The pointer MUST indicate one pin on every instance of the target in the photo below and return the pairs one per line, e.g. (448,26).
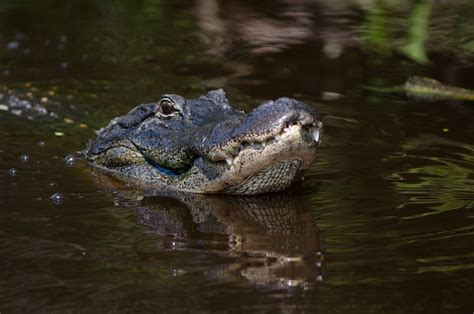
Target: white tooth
(277,137)
(315,134)
(229,160)
(264,143)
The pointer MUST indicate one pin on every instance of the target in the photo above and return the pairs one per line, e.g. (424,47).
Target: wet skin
(203,145)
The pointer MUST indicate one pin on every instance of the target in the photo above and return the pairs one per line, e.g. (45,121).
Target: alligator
(427,89)
(204,145)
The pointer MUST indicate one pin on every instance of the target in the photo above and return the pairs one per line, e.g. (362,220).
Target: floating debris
(58,133)
(427,89)
(330,96)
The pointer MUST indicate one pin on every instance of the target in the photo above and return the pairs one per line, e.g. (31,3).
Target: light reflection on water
(391,191)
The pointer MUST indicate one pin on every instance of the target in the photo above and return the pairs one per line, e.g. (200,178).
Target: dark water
(383,223)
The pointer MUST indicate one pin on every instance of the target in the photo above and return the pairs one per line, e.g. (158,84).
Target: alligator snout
(272,117)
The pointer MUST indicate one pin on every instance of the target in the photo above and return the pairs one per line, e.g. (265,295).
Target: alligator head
(203,145)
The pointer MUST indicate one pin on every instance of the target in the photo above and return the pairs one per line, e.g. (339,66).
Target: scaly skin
(203,145)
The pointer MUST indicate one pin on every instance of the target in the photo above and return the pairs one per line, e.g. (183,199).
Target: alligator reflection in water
(272,239)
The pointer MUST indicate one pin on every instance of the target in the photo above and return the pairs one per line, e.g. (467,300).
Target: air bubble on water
(12,172)
(57,198)
(70,160)
(41,144)
(24,158)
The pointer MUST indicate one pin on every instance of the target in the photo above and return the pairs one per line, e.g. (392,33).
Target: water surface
(383,222)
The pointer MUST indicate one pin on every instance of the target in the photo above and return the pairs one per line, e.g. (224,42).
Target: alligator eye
(168,107)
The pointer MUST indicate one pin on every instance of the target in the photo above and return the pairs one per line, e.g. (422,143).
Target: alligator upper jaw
(266,124)
(277,137)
